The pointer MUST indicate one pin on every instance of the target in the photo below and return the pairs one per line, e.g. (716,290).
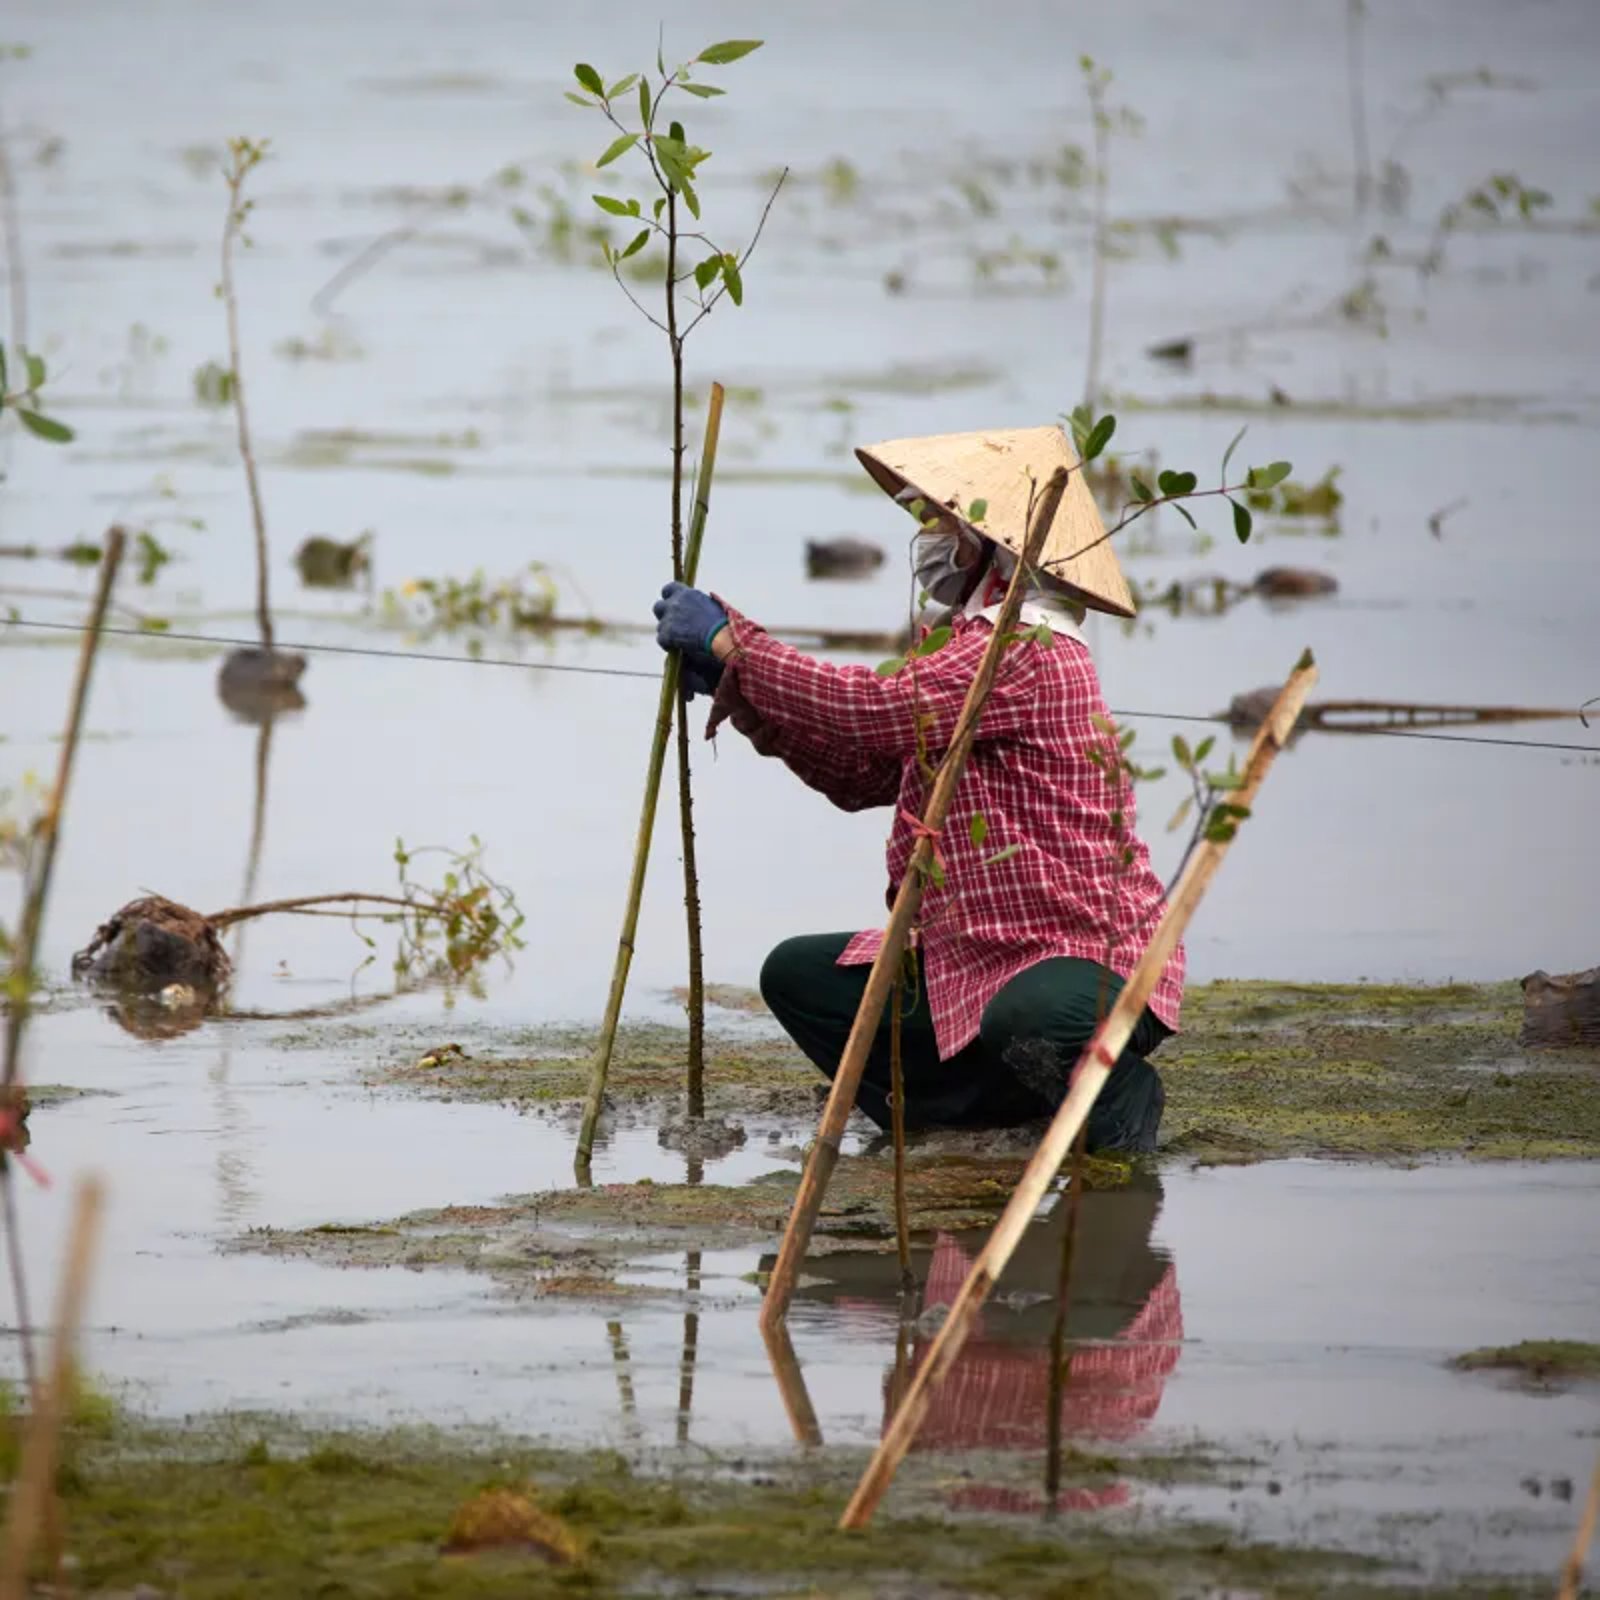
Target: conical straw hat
(1004,467)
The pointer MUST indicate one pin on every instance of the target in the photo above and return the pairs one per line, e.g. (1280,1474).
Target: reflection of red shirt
(997,1396)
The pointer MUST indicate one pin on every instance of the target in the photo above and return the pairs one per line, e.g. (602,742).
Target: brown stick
(792,1386)
(897,1108)
(49,825)
(303,902)
(1572,1568)
(36,1474)
(841,1098)
(1089,1076)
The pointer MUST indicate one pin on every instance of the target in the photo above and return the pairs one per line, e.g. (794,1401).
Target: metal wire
(1213,719)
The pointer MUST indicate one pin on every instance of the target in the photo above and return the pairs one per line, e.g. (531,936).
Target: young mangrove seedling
(266,675)
(669,229)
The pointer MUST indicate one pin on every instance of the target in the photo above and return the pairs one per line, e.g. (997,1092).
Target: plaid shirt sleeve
(853,708)
(853,780)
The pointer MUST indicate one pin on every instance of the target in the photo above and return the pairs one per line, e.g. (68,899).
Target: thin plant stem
(48,828)
(235,176)
(691,1346)
(11,223)
(1097,279)
(897,1107)
(29,1514)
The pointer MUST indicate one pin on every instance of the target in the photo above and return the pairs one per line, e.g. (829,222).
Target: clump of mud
(165,961)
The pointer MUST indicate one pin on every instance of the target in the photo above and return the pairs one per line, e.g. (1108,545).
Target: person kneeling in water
(1035,919)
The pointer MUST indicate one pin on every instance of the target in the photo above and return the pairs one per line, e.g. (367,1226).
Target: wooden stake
(842,1097)
(49,828)
(652,791)
(31,1498)
(1089,1076)
(792,1386)
(897,1108)
(1572,1567)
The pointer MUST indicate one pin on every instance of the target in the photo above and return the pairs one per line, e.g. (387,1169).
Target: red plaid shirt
(1062,892)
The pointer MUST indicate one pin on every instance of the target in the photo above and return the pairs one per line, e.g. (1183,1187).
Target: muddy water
(481,402)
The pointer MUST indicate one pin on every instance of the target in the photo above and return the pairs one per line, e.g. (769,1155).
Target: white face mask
(937,555)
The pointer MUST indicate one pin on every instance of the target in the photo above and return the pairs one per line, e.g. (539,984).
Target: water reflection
(1123,1339)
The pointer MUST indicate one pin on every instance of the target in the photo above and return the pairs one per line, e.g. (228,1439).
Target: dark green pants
(1015,1071)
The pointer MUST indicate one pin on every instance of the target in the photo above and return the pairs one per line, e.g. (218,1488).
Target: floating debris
(154,945)
(1294,583)
(440,1054)
(504,1519)
(325,563)
(1561,1010)
(842,558)
(257,684)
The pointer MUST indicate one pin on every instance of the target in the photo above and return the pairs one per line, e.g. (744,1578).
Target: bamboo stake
(841,1098)
(1572,1567)
(49,828)
(36,1474)
(897,1108)
(1089,1076)
(792,1386)
(652,791)
(1060,1362)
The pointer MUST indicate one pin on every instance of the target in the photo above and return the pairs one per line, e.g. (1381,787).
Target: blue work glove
(688,620)
(700,675)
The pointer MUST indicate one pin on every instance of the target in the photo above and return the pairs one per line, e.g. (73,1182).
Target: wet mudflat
(342,1292)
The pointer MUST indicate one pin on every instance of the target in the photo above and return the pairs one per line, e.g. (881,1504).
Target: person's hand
(699,675)
(688,620)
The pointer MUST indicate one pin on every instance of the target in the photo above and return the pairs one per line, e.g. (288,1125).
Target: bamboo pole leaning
(665,708)
(30,1510)
(824,1155)
(1089,1076)
(49,826)
(1572,1567)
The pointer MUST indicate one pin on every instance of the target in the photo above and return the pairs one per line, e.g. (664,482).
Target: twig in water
(244,156)
(1436,521)
(1060,1373)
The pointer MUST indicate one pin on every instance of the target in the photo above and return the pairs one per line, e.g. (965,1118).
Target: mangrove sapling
(1105,120)
(266,669)
(670,172)
(22,376)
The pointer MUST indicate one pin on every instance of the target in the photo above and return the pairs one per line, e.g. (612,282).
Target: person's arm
(854,708)
(851,779)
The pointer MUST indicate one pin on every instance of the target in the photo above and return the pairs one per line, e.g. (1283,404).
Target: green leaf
(617,208)
(731,276)
(1001,855)
(706,273)
(45,427)
(589,78)
(2,369)
(1241,520)
(35,366)
(978,828)
(936,872)
(622,86)
(1183,810)
(1099,437)
(1082,420)
(1203,749)
(580,99)
(704,90)
(1181,753)
(644,102)
(1141,489)
(1233,444)
(719,55)
(1270,476)
(977,511)
(659,206)
(618,147)
(1174,483)
(887,669)
(692,200)
(936,640)
(1183,511)
(640,240)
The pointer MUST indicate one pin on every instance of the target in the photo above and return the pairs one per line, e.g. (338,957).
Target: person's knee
(779,981)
